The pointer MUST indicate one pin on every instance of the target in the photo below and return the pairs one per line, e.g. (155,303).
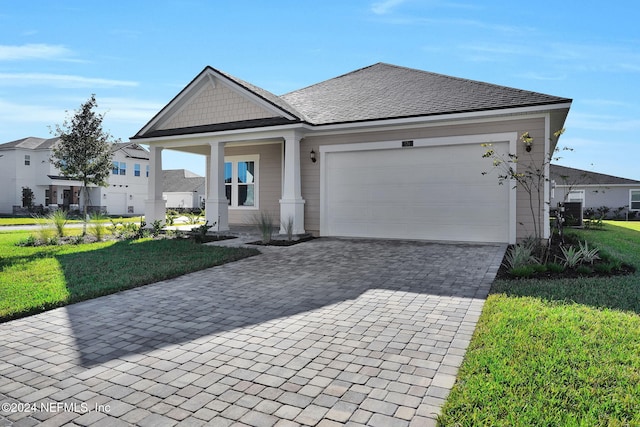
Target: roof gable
(215,98)
(383,91)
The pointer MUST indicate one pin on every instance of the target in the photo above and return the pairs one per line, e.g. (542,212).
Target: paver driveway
(328,332)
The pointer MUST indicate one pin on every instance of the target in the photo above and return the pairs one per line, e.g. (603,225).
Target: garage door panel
(434,193)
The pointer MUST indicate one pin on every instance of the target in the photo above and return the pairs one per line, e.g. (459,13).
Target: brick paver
(327,332)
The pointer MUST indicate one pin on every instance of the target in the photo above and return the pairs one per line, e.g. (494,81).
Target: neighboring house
(26,163)
(384,152)
(594,190)
(182,189)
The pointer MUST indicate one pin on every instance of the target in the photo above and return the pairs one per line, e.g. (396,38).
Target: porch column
(292,203)
(154,206)
(217,207)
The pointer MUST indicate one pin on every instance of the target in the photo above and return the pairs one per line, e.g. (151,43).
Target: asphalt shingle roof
(383,91)
(564,175)
(181,180)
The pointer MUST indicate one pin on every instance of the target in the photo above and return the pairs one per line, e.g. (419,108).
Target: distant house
(25,163)
(594,190)
(182,189)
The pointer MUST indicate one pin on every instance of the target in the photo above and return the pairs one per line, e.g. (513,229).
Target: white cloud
(33,51)
(127,110)
(61,81)
(384,7)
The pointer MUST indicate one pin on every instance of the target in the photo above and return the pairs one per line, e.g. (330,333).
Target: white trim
(583,195)
(630,191)
(234,184)
(546,202)
(510,137)
(441,120)
(596,185)
(362,126)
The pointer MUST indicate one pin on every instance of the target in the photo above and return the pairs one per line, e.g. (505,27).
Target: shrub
(583,269)
(200,233)
(264,224)
(522,271)
(59,219)
(571,257)
(96,227)
(156,228)
(606,267)
(554,267)
(171,217)
(288,227)
(519,255)
(588,255)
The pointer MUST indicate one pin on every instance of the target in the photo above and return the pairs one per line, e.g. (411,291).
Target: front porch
(244,177)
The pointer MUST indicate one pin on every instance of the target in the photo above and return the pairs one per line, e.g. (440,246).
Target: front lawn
(36,221)
(557,352)
(34,279)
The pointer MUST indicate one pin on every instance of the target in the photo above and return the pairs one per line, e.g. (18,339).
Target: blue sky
(137,55)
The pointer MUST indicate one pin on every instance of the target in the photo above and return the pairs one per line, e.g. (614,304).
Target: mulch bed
(282,242)
(555,255)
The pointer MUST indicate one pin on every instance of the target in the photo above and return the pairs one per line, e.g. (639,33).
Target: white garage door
(117,203)
(433,193)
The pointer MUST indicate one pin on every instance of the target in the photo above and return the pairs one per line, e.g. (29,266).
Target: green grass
(34,279)
(557,353)
(35,221)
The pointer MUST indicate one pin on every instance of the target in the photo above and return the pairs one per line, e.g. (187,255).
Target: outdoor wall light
(313,156)
(104,196)
(528,141)
(130,196)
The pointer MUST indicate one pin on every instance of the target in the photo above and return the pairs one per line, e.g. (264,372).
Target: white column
(154,205)
(292,203)
(217,207)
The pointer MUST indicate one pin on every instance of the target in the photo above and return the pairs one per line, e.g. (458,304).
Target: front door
(66,199)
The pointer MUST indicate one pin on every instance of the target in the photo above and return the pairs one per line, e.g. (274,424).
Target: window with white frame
(27,159)
(136,169)
(241,180)
(115,168)
(123,168)
(634,200)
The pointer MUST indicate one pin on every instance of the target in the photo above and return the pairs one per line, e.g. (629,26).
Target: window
(147,171)
(27,159)
(240,178)
(634,200)
(115,169)
(123,168)
(136,169)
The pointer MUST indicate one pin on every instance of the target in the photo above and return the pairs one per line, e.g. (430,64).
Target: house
(182,189)
(25,163)
(384,152)
(595,190)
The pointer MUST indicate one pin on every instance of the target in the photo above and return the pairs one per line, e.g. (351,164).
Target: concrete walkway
(328,332)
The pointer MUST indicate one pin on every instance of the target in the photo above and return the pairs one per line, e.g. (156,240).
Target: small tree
(530,177)
(84,150)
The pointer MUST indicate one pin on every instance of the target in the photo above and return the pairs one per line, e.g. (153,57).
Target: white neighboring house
(26,163)
(183,189)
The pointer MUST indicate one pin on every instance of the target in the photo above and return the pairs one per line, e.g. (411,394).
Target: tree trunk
(84,209)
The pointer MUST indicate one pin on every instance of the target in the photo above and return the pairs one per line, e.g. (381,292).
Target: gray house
(383,151)
(182,189)
(594,190)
